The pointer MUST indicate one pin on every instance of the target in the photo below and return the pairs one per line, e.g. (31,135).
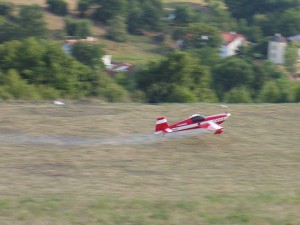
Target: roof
(229,37)
(279,38)
(86,40)
(295,36)
(120,67)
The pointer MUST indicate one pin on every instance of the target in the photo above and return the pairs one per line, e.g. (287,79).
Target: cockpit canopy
(197,118)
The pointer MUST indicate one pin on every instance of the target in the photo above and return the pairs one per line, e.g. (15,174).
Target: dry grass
(247,175)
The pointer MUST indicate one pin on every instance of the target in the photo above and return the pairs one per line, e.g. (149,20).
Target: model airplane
(196,121)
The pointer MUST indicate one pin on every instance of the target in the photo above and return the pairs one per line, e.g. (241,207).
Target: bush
(80,28)
(238,95)
(6,8)
(59,7)
(117,29)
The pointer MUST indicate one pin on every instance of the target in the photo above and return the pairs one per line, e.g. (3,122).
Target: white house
(231,43)
(276,49)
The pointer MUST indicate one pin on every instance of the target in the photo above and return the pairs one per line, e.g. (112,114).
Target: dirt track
(15,137)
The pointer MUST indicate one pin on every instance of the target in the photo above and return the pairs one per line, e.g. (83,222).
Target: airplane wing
(212,126)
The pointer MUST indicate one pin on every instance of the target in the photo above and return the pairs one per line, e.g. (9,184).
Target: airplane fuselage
(190,124)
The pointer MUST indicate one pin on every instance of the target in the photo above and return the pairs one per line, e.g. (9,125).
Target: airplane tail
(161,125)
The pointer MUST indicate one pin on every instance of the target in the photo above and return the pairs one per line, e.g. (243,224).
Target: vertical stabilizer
(161,125)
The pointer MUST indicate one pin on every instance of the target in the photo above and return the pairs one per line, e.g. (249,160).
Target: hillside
(142,48)
(97,163)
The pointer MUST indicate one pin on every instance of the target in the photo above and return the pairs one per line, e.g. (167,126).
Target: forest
(33,65)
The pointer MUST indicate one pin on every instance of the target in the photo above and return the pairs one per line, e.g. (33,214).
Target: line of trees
(39,69)
(34,67)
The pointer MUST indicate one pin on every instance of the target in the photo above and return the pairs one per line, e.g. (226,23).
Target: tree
(80,28)
(230,73)
(178,78)
(16,87)
(59,7)
(31,21)
(201,35)
(252,32)
(289,21)
(110,9)
(183,15)
(270,92)
(9,31)
(6,8)
(134,18)
(117,30)
(42,62)
(105,86)
(83,6)
(88,54)
(152,15)
(291,57)
(207,56)
(238,95)
(277,91)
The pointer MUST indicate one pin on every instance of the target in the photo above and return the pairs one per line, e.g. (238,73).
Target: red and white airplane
(196,121)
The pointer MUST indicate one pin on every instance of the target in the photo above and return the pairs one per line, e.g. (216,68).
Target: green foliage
(179,78)
(138,14)
(83,6)
(44,63)
(59,7)
(182,94)
(79,28)
(297,92)
(35,69)
(200,35)
(183,15)
(117,30)
(270,16)
(277,91)
(13,86)
(291,57)
(270,92)
(232,72)
(110,9)
(31,21)
(109,89)
(207,56)
(88,54)
(220,17)
(6,8)
(247,8)
(253,33)
(238,95)
(28,23)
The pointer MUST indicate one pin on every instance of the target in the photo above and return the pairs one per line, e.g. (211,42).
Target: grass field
(247,175)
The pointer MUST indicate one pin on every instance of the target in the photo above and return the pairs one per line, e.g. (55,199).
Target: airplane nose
(228,114)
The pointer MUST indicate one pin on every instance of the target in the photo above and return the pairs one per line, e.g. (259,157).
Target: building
(276,49)
(114,68)
(231,43)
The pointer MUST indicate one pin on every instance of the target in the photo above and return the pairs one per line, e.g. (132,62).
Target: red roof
(229,37)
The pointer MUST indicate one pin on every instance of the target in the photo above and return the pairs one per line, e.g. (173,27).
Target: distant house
(231,43)
(276,49)
(113,68)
